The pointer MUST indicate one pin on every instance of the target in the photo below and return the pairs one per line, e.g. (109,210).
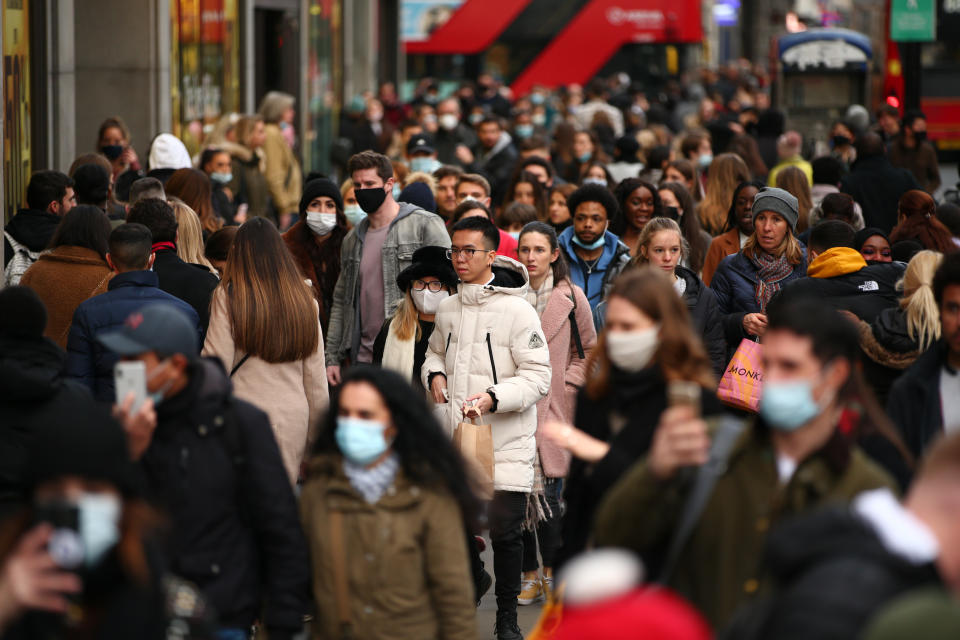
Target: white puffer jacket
(488,337)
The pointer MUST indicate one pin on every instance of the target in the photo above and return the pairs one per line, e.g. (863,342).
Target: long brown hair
(680,354)
(794,181)
(194,188)
(726,172)
(272,311)
(919,222)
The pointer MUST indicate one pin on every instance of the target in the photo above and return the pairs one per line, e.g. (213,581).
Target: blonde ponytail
(923,316)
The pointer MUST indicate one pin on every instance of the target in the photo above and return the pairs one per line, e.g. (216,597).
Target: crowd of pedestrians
(238,402)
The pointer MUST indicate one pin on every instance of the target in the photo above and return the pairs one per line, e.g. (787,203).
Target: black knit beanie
(320,187)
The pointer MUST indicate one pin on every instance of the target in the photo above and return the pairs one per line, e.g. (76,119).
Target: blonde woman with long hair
(794,180)
(401,344)
(726,172)
(275,360)
(897,337)
(189,235)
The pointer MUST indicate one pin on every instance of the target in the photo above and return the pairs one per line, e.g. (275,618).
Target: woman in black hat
(402,342)
(314,241)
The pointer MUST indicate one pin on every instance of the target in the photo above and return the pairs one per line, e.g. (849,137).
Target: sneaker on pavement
(548,587)
(530,592)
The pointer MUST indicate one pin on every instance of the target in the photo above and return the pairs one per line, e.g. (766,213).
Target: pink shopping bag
(742,382)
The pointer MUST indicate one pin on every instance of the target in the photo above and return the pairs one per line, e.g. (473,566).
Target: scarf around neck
(770,272)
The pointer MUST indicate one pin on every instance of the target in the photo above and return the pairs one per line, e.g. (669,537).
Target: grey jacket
(411,229)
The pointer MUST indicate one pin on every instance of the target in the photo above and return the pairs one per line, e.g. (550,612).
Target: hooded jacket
(888,350)
(33,393)
(835,569)
(489,338)
(30,228)
(841,278)
(596,281)
(63,278)
(411,229)
(88,361)
(214,467)
(705,314)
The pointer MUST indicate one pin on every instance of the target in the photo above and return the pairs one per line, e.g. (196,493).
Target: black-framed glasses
(469,253)
(420,285)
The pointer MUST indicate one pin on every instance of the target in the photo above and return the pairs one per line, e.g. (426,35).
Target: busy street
(480,320)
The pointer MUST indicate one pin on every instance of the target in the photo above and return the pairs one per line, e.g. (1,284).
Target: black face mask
(370,199)
(919,136)
(671,212)
(112,151)
(840,141)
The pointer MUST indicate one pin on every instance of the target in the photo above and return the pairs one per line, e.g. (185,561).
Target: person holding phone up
(488,354)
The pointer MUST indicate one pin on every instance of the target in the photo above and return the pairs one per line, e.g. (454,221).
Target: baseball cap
(156,327)
(420,143)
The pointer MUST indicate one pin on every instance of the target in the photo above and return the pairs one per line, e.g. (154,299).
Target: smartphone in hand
(130,377)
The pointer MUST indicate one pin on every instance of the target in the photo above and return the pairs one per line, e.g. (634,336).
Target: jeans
(548,531)
(507,512)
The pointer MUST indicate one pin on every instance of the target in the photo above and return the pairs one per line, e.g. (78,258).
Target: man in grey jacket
(372,254)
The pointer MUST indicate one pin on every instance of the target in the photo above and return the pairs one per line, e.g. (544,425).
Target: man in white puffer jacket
(488,354)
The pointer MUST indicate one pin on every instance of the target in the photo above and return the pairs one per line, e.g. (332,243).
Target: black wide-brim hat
(429,261)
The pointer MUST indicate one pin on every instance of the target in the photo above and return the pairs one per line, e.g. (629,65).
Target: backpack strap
(237,366)
(575,329)
(341,585)
(728,430)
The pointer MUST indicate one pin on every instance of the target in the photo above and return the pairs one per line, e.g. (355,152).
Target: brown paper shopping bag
(475,443)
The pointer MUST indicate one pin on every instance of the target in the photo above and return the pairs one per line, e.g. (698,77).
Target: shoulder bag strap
(237,366)
(728,430)
(341,586)
(575,329)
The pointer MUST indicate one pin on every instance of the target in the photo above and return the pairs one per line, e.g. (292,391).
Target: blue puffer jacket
(735,284)
(90,362)
(596,280)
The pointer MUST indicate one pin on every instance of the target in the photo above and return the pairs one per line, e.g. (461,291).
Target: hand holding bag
(475,443)
(742,381)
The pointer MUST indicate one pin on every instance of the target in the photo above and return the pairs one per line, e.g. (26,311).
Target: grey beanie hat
(778,201)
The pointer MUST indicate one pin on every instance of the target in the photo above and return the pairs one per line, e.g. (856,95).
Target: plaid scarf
(770,271)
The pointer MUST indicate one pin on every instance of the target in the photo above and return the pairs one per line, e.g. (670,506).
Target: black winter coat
(705,314)
(214,466)
(914,402)
(190,282)
(34,393)
(886,351)
(31,228)
(877,185)
(865,293)
(626,417)
(832,574)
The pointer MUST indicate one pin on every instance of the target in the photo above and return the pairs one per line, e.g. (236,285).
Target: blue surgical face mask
(583,157)
(425,164)
(514,234)
(600,181)
(354,213)
(221,178)
(99,525)
(523,130)
(360,441)
(788,405)
(596,244)
(704,160)
(158,395)
(396,191)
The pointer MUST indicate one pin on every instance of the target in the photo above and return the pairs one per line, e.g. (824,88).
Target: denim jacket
(411,229)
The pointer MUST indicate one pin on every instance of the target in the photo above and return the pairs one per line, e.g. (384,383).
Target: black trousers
(547,532)
(507,511)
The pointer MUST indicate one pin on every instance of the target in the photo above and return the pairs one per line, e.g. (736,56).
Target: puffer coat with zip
(488,337)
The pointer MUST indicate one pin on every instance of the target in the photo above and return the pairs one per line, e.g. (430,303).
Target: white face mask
(448,121)
(321,223)
(632,350)
(427,302)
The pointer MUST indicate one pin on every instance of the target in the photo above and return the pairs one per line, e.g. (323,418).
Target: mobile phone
(65,545)
(683,393)
(130,377)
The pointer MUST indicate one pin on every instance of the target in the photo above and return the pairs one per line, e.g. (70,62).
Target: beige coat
(293,394)
(406,559)
(282,171)
(488,337)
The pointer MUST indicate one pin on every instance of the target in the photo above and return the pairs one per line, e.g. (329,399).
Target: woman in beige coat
(282,170)
(265,328)
(384,509)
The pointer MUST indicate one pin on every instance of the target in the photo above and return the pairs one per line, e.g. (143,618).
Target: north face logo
(869,285)
(535,341)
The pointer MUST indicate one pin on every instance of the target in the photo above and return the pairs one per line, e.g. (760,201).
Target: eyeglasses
(420,285)
(469,253)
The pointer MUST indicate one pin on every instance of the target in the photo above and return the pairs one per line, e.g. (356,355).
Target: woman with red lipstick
(771,257)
